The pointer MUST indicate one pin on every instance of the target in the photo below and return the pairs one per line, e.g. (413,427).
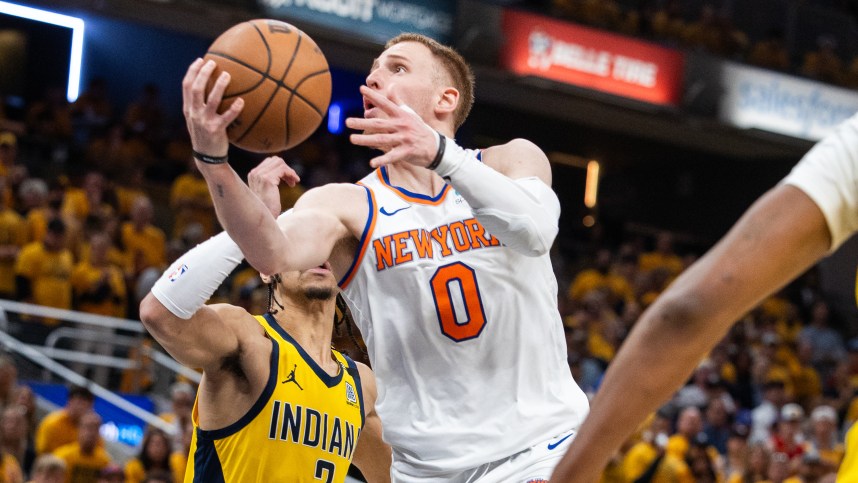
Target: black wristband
(442,143)
(205,158)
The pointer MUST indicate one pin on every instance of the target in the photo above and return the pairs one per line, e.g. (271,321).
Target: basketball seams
(261,128)
(274,93)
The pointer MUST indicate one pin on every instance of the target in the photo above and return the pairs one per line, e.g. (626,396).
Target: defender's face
(406,72)
(313,283)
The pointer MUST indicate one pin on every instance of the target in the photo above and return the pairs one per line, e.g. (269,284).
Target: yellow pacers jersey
(303,428)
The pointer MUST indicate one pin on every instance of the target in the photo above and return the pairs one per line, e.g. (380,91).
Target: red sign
(569,53)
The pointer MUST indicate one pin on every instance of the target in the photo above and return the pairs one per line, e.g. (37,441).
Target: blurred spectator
(780,468)
(86,457)
(144,243)
(49,469)
(667,23)
(49,125)
(14,438)
(601,324)
(759,458)
(99,288)
(603,276)
(179,455)
(92,111)
(824,64)
(158,477)
(154,456)
(700,461)
(13,236)
(827,343)
(689,424)
(191,203)
(662,257)
(93,198)
(8,381)
(145,115)
(768,411)
(717,424)
(116,150)
(9,166)
(824,441)
(647,460)
(736,460)
(771,52)
(43,276)
(128,187)
(788,438)
(111,473)
(60,427)
(182,397)
(807,385)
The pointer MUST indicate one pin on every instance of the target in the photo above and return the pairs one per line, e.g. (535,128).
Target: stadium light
(335,118)
(74,23)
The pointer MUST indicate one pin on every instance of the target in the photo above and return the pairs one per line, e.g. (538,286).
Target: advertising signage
(564,52)
(377,20)
(762,99)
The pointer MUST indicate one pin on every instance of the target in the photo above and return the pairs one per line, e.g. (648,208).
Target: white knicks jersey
(462,332)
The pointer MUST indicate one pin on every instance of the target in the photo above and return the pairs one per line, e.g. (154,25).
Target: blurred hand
(402,135)
(264,181)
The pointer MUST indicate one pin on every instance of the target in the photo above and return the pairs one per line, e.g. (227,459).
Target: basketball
(283,77)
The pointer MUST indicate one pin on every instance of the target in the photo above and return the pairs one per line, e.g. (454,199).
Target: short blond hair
(459,71)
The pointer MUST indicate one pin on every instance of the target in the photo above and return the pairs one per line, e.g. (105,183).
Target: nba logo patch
(350,394)
(178,272)
(537,480)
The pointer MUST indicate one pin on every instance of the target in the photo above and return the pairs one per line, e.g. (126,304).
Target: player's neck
(415,179)
(310,323)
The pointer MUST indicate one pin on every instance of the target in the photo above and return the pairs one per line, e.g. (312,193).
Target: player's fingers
(198,86)
(188,81)
(290,176)
(234,110)
(384,160)
(374,140)
(379,100)
(375,125)
(216,94)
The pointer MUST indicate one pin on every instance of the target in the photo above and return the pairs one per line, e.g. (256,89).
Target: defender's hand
(206,127)
(401,134)
(264,181)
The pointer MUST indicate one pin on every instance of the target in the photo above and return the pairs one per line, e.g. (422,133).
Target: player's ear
(447,101)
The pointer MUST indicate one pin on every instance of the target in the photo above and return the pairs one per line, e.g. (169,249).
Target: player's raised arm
(508,186)
(268,247)
(196,335)
(787,230)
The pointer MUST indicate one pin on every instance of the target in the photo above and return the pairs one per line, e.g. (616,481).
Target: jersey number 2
(452,283)
(325,471)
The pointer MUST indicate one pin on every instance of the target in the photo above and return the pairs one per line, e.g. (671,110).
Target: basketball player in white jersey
(801,220)
(442,254)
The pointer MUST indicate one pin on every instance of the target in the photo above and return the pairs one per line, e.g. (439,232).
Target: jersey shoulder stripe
(364,238)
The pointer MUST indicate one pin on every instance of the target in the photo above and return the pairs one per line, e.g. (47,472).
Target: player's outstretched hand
(206,127)
(265,178)
(400,133)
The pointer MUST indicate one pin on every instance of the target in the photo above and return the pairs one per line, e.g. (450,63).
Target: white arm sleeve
(192,279)
(828,174)
(522,213)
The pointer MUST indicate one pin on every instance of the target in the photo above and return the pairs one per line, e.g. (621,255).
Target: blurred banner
(568,53)
(763,99)
(377,20)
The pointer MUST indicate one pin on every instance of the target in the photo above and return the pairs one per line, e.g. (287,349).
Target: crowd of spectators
(713,30)
(771,402)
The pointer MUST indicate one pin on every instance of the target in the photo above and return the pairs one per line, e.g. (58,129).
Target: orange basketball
(283,77)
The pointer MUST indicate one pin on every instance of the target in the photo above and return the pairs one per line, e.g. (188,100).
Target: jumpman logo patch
(291,378)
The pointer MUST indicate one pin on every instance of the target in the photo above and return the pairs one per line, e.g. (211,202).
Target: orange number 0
(444,289)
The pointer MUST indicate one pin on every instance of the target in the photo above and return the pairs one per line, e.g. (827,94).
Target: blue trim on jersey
(404,191)
(356,376)
(258,406)
(207,466)
(363,236)
(326,378)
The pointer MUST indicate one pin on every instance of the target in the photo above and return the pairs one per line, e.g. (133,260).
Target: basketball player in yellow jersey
(276,403)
